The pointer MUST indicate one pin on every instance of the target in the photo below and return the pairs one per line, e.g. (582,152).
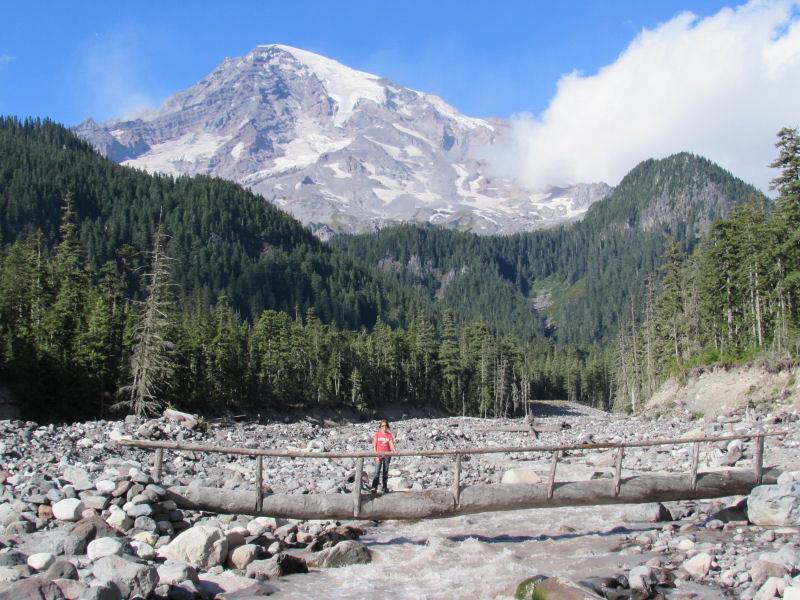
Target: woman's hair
(384,422)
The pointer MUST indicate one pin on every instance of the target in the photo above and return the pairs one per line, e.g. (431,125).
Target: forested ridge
(223,238)
(587,274)
(734,299)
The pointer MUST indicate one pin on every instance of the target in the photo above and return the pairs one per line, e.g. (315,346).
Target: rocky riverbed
(82,518)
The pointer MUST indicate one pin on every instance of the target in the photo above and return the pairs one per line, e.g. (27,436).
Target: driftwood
(474,498)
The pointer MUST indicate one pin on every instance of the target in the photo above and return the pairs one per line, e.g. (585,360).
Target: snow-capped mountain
(341,149)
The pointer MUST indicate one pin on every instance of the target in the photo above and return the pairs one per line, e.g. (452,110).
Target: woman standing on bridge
(382,441)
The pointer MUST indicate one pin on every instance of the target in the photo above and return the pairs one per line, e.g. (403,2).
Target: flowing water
(476,556)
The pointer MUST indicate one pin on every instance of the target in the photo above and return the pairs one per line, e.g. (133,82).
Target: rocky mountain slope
(340,149)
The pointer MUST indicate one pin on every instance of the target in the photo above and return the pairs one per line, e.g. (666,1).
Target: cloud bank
(719,86)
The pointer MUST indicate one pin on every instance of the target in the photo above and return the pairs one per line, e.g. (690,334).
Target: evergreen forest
(126,291)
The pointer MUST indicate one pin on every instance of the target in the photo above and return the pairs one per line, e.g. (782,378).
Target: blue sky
(72,60)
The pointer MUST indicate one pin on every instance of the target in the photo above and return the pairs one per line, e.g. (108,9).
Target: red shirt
(382,441)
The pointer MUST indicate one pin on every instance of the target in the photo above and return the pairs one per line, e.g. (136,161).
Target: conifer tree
(152,363)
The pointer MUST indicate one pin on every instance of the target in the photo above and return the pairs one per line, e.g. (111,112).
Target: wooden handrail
(177,446)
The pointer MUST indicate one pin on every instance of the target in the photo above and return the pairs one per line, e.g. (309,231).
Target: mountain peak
(341,149)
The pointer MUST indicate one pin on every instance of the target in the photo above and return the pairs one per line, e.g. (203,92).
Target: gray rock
(12,558)
(763,570)
(698,566)
(104,546)
(279,565)
(41,561)
(131,578)
(228,585)
(174,572)
(775,505)
(348,552)
(652,512)
(61,569)
(69,509)
(102,592)
(33,588)
(201,546)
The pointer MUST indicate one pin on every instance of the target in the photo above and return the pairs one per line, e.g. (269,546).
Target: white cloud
(719,86)
(113,74)
(5,59)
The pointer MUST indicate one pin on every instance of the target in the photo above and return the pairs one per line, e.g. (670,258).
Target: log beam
(474,498)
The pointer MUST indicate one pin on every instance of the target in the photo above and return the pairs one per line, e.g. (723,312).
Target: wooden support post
(259,483)
(457,481)
(357,487)
(695,463)
(759,458)
(618,470)
(551,486)
(159,460)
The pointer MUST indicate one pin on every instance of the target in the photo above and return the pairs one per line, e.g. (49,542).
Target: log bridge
(469,499)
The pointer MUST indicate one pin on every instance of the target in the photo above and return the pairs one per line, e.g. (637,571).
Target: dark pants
(383,465)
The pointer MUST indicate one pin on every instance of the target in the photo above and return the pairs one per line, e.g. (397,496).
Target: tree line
(76,345)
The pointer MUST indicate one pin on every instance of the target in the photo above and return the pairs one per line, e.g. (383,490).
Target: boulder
(230,585)
(772,587)
(41,561)
(131,578)
(58,542)
(792,592)
(12,558)
(174,572)
(241,556)
(775,505)
(279,565)
(349,552)
(61,569)
(69,509)
(788,477)
(185,419)
(698,566)
(102,592)
(119,520)
(764,569)
(650,512)
(72,588)
(32,588)
(7,514)
(201,546)
(104,546)
(521,475)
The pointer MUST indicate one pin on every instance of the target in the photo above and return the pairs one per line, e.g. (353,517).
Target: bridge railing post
(618,470)
(695,463)
(259,483)
(158,464)
(457,480)
(357,487)
(759,458)
(551,485)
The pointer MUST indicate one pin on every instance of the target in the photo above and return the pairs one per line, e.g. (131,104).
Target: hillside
(578,280)
(223,238)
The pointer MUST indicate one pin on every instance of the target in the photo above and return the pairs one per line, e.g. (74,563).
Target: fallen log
(473,499)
